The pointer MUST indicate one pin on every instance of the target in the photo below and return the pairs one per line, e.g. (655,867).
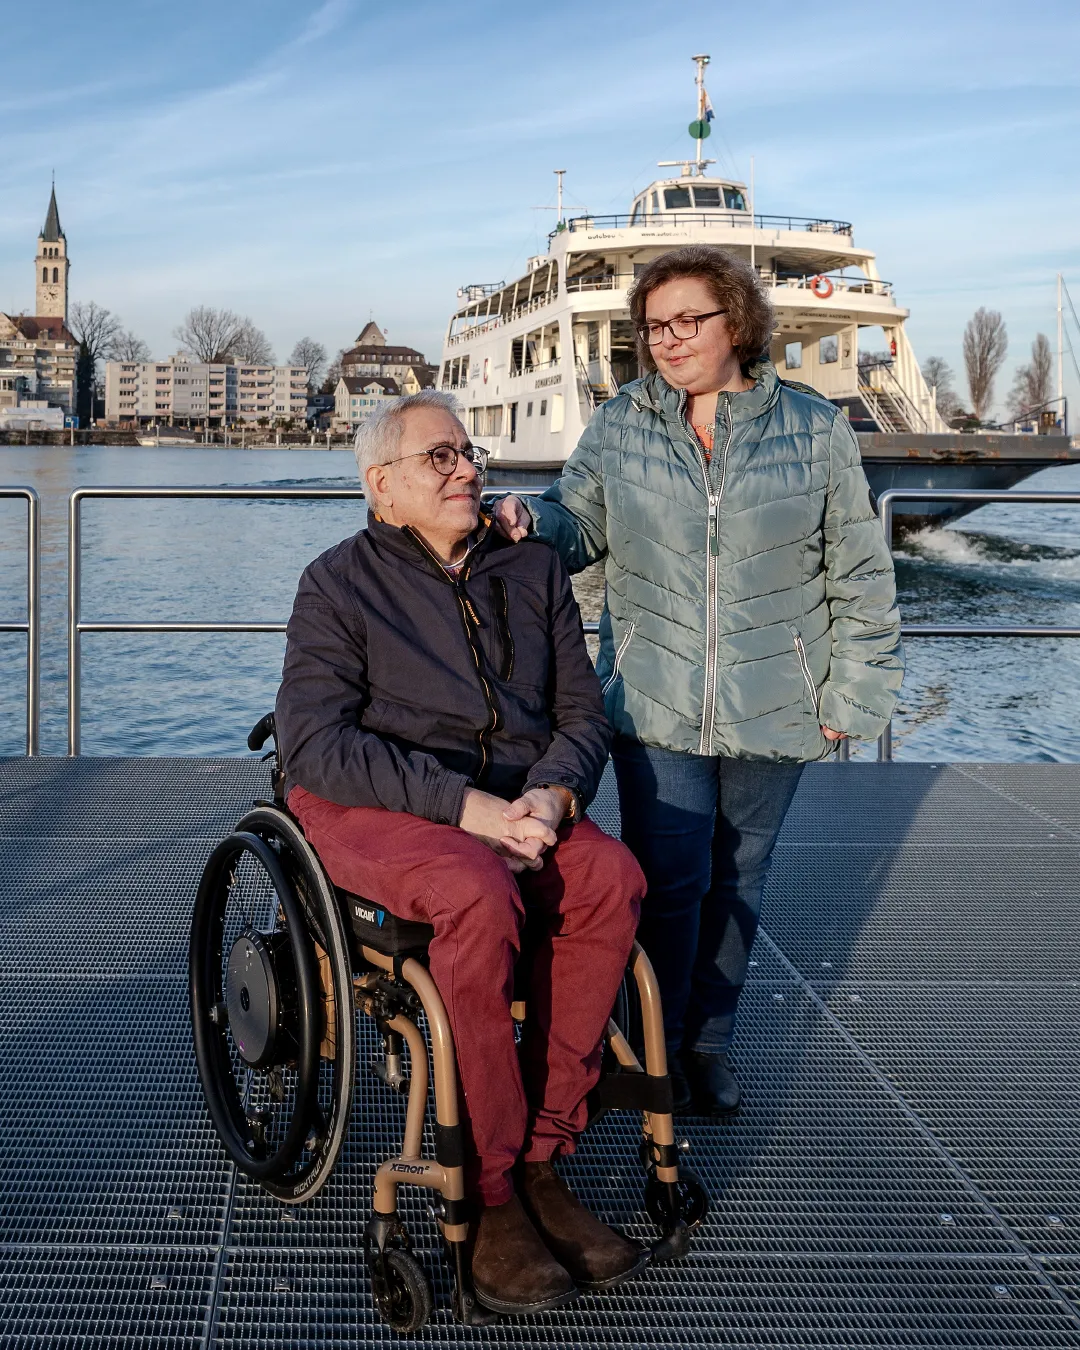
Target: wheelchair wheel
(275,1053)
(691,1201)
(402,1294)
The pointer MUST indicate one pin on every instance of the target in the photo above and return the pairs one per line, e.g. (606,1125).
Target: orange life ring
(486,364)
(822,287)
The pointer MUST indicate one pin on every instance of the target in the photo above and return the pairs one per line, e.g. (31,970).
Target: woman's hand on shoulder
(831,735)
(511,519)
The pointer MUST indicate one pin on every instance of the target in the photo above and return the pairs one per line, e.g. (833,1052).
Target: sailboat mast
(1061,357)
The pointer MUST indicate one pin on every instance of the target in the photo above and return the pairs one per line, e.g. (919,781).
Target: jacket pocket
(500,606)
(804,664)
(620,653)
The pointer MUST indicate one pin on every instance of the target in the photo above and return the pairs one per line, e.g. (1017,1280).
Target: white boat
(166,436)
(531,359)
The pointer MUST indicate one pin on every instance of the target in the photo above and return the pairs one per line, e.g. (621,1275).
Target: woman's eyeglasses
(686,326)
(444,458)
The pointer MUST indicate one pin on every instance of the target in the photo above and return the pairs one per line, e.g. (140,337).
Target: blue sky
(311,164)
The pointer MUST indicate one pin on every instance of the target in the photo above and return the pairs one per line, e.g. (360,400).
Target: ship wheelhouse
(532,359)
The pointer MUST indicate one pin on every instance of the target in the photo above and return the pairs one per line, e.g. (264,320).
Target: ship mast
(703,126)
(699,128)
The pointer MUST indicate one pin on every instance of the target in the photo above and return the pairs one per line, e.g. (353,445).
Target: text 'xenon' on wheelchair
(276,975)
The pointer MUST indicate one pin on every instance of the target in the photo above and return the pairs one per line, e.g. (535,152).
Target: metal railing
(723,218)
(982,497)
(31,626)
(77,625)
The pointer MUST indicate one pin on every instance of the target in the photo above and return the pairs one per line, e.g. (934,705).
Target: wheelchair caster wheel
(689,1205)
(401,1292)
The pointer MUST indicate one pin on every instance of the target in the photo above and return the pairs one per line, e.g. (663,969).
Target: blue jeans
(703,829)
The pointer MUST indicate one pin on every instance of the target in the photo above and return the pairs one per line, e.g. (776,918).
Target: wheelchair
(280,961)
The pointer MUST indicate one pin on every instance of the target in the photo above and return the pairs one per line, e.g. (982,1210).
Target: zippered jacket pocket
(619,656)
(800,650)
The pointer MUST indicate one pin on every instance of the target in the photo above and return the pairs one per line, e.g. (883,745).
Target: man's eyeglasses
(444,458)
(686,326)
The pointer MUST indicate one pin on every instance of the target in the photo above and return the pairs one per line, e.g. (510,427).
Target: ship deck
(904,1171)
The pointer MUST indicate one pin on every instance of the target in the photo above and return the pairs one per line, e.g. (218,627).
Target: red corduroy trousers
(582,906)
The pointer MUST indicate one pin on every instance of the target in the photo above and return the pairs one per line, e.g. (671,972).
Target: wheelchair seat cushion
(377,928)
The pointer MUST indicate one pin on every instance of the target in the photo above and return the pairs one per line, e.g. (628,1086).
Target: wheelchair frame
(394,988)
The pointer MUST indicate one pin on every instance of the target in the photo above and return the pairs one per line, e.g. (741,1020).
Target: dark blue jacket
(403,687)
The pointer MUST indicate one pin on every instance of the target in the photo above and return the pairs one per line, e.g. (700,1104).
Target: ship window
(655,203)
(707,198)
(557,412)
(677,199)
(543,407)
(634,213)
(793,356)
(528,409)
(828,349)
(734,200)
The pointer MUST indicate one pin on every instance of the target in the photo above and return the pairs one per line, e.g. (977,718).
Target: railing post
(33,619)
(74,619)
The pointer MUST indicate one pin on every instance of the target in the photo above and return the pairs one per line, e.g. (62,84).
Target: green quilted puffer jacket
(750,599)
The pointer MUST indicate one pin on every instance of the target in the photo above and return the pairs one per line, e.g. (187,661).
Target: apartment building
(182,392)
(355,399)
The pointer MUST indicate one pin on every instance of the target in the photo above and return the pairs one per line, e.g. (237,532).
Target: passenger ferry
(532,359)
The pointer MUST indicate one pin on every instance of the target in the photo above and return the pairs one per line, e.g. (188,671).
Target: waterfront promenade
(904,1172)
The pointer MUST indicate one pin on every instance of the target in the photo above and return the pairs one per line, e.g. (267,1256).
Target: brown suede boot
(596,1256)
(512,1270)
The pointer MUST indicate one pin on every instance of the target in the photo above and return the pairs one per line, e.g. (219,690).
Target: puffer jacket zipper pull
(714,529)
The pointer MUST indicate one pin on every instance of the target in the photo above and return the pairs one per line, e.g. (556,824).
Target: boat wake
(965,550)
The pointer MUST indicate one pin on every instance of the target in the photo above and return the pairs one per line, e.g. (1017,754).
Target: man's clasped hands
(519,831)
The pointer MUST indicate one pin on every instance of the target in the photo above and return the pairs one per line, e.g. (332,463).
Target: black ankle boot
(714,1089)
(680,1088)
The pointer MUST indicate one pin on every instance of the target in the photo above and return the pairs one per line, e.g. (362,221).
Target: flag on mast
(709,112)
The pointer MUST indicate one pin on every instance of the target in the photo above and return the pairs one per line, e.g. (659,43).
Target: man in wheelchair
(442,731)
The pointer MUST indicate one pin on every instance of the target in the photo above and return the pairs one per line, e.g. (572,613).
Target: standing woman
(750,622)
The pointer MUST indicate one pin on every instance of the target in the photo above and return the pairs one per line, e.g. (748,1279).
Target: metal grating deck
(905,1172)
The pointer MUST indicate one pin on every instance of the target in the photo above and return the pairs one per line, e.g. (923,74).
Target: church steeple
(51,267)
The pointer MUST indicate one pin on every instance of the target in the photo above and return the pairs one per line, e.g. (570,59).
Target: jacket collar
(653,393)
(407,545)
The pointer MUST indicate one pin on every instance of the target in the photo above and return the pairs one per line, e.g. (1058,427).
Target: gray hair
(378,438)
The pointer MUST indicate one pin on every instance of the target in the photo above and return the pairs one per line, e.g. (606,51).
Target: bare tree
(985,345)
(1032,384)
(333,373)
(127,347)
(209,334)
(938,374)
(312,356)
(252,346)
(94,328)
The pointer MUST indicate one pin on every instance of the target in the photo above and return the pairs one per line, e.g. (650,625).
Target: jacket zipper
(469,618)
(502,614)
(801,650)
(618,658)
(708,708)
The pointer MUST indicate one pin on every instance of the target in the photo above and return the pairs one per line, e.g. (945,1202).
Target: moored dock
(904,1171)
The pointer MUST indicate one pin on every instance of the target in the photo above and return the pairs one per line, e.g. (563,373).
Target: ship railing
(497,320)
(726,220)
(980,496)
(31,625)
(78,626)
(850,285)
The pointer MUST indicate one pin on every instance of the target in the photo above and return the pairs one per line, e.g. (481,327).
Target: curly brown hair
(735,286)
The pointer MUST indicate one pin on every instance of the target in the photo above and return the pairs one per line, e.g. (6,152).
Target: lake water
(198,694)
